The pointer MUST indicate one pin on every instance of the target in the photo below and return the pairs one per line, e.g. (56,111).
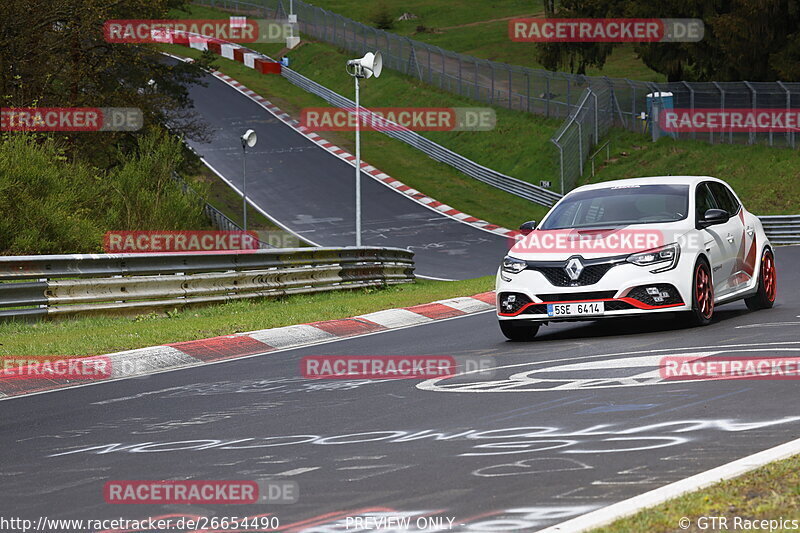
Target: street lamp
(248,139)
(369,65)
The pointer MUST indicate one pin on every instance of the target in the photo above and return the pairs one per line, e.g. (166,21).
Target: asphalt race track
(311,191)
(581,424)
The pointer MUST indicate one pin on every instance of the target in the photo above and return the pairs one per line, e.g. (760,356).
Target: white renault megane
(633,247)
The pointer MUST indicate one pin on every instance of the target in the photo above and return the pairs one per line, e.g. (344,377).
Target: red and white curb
(154,359)
(251,59)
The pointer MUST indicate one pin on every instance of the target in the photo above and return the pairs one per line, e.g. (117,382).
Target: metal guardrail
(539,91)
(36,287)
(782,229)
(436,151)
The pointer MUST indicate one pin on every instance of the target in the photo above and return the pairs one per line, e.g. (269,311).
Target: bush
(51,205)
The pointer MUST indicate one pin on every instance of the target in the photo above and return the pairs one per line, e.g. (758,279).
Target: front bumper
(622,288)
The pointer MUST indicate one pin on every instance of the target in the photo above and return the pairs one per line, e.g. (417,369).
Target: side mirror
(527,227)
(713,217)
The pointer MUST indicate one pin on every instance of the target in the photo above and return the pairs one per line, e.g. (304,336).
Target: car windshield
(620,206)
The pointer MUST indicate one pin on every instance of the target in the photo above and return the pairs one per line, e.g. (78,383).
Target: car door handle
(730,238)
(750,230)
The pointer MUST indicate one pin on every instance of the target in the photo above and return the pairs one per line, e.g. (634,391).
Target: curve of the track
(530,445)
(311,191)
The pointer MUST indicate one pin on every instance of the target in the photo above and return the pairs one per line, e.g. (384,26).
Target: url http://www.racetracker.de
(217,523)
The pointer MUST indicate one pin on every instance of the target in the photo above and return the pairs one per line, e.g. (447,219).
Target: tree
(753,40)
(53,54)
(576,57)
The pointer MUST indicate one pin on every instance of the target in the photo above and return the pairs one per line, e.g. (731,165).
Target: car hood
(593,243)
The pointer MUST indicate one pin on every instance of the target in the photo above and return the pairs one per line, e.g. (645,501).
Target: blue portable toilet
(664,100)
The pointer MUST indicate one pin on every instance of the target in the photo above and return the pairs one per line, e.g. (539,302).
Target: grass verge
(519,146)
(769,492)
(481,31)
(766,179)
(100,335)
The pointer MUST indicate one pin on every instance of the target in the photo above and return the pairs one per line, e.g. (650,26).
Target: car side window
(724,197)
(704,201)
(734,202)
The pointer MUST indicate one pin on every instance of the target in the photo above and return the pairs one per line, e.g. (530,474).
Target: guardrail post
(510,86)
(547,97)
(491,98)
(751,136)
(789,134)
(528,81)
(580,146)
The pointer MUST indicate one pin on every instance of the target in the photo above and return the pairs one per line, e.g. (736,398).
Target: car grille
(618,306)
(576,296)
(593,271)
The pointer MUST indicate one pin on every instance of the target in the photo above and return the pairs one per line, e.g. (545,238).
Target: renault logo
(574,268)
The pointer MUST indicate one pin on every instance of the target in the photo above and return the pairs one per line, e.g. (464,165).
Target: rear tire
(702,294)
(518,331)
(764,298)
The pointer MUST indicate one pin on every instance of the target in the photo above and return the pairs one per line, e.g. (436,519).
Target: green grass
(529,156)
(100,335)
(770,492)
(476,30)
(765,178)
(433,13)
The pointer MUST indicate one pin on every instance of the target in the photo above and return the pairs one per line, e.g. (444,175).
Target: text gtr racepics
(633,247)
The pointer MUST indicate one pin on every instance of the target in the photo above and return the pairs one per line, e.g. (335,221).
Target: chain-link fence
(628,103)
(588,122)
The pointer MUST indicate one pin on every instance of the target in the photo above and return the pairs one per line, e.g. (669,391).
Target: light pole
(248,140)
(369,65)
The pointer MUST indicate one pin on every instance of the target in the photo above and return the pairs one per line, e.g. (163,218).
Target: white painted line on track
(298,471)
(631,506)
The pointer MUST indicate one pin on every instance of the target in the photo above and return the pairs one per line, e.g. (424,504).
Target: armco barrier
(782,229)
(436,151)
(34,287)
(515,186)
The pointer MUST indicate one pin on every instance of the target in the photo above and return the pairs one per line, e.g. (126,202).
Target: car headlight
(513,265)
(666,257)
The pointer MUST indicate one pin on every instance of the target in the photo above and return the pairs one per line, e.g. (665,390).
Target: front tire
(702,294)
(764,298)
(518,331)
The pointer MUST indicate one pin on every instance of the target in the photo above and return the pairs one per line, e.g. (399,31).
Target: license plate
(576,309)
